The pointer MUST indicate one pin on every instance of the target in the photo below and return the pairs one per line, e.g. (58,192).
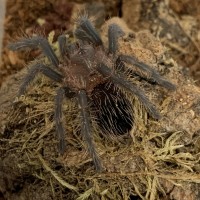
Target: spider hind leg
(121,81)
(58,119)
(153,74)
(86,128)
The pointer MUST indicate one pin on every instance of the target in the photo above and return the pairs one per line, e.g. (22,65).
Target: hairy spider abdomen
(112,109)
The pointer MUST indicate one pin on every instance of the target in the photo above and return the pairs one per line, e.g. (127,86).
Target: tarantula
(94,74)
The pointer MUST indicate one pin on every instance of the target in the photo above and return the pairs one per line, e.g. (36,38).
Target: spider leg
(86,129)
(151,72)
(62,43)
(82,35)
(34,70)
(86,31)
(58,119)
(114,32)
(34,42)
(119,80)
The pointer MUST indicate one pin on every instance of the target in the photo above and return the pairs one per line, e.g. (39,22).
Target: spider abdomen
(112,109)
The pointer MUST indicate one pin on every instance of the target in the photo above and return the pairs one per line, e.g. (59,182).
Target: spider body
(80,72)
(94,74)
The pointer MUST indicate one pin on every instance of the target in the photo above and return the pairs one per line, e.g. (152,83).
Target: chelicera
(94,74)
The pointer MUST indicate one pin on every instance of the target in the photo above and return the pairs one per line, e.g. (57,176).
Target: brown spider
(94,74)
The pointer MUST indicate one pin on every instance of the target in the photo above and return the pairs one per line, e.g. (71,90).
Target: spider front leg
(62,40)
(86,129)
(114,32)
(86,31)
(34,70)
(35,42)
